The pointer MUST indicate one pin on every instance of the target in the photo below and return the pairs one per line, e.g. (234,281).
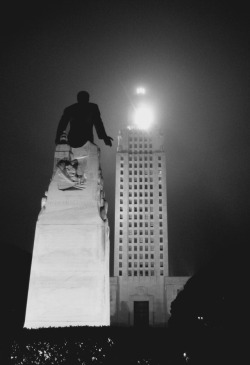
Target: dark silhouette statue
(82,116)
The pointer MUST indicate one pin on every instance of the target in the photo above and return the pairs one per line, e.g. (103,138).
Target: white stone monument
(69,280)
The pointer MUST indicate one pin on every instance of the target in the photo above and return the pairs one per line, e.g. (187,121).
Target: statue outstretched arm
(100,130)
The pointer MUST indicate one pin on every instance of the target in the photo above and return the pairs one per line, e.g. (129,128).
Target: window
(120,224)
(121,201)
(120,256)
(120,232)
(129,273)
(120,273)
(120,248)
(120,264)
(120,240)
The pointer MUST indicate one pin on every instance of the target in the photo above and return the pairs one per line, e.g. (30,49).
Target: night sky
(194,60)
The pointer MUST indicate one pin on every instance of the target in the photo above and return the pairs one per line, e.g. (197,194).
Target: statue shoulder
(93,106)
(71,108)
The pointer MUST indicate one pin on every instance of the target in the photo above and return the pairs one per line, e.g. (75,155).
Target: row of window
(141,224)
(141,249)
(141,232)
(141,239)
(143,216)
(140,145)
(140,158)
(141,179)
(141,273)
(135,201)
(150,187)
(140,209)
(141,264)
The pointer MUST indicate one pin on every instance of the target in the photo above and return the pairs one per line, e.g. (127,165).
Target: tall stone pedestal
(69,281)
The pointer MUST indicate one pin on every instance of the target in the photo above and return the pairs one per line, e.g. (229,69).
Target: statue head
(83,97)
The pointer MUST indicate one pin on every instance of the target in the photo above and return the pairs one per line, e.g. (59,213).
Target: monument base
(69,282)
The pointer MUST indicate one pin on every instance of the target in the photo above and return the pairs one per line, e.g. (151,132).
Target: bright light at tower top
(143,116)
(140,90)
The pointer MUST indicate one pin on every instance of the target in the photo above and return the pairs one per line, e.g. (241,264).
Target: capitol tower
(141,289)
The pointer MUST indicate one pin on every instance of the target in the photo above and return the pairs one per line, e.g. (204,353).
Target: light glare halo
(143,117)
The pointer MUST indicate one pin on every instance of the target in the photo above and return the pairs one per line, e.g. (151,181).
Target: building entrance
(141,314)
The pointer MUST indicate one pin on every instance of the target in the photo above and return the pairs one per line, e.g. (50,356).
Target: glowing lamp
(143,117)
(140,90)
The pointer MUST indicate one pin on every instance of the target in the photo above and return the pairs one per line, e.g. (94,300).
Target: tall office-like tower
(141,289)
(141,234)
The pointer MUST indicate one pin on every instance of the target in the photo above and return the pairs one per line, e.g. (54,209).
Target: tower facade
(141,232)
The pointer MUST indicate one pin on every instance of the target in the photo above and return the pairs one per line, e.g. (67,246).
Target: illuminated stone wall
(69,281)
